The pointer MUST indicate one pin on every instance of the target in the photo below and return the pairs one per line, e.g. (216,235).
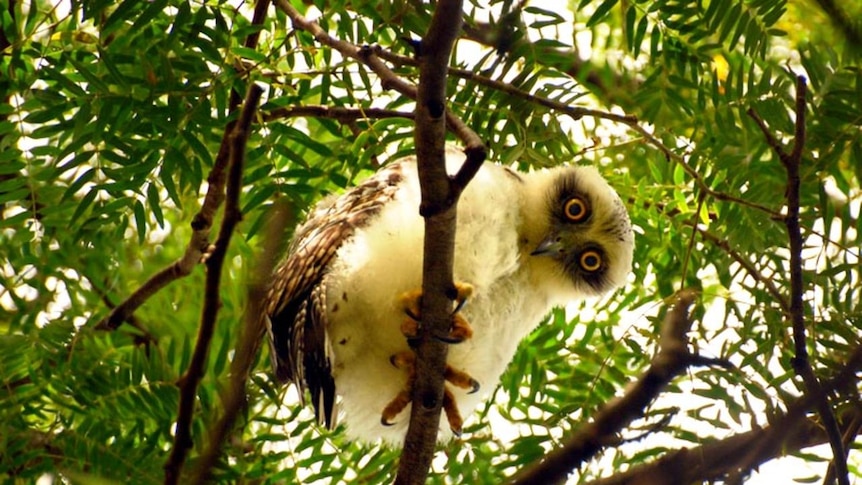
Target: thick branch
(786,434)
(439,207)
(189,381)
(673,358)
(801,364)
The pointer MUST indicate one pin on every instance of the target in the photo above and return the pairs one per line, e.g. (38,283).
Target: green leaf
(154,201)
(140,221)
(601,12)
(84,204)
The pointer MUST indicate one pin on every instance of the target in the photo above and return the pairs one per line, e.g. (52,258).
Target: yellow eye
(591,260)
(576,209)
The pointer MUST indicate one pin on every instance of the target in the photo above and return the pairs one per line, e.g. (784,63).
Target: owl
(342,307)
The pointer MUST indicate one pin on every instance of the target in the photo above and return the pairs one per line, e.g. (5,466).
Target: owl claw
(459,331)
(446,339)
(407,361)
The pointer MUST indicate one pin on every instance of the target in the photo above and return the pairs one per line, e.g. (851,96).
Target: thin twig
(578,112)
(801,363)
(851,431)
(234,399)
(373,57)
(388,79)
(749,267)
(198,242)
(692,222)
(725,246)
(188,382)
(338,113)
(672,358)
(575,112)
(500,36)
(202,221)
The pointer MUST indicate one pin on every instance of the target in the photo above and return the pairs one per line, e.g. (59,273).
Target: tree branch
(851,31)
(373,57)
(672,358)
(234,399)
(338,113)
(575,112)
(725,246)
(202,221)
(188,382)
(500,37)
(368,56)
(787,433)
(439,208)
(801,363)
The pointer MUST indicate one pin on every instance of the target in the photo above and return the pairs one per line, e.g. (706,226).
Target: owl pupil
(576,209)
(590,261)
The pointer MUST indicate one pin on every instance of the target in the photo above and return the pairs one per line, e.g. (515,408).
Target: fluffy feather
(503,216)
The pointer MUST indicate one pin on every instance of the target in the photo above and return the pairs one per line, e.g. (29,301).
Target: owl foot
(407,361)
(460,329)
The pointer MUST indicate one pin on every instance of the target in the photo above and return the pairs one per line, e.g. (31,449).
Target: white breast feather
(384,260)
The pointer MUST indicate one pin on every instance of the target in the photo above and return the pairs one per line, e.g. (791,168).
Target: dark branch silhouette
(439,207)
(801,364)
(338,113)
(389,80)
(672,359)
(234,398)
(201,222)
(188,382)
(737,454)
(850,28)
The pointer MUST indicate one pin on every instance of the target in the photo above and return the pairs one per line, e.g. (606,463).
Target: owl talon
(452,413)
(463,292)
(404,360)
(446,339)
(407,361)
(459,331)
(461,379)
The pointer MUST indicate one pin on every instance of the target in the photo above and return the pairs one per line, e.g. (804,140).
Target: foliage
(113,114)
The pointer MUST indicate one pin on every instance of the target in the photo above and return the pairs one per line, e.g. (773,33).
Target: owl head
(586,232)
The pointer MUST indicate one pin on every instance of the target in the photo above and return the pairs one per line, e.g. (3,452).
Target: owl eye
(591,260)
(576,210)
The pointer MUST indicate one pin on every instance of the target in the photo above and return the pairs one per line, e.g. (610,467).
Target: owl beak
(551,246)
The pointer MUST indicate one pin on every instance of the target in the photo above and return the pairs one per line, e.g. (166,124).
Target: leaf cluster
(112,117)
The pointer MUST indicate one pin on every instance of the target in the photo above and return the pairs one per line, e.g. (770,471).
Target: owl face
(589,234)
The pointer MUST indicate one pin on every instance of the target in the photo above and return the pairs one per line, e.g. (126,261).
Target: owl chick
(525,243)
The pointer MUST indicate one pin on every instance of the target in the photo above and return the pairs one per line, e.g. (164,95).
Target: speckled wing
(296,318)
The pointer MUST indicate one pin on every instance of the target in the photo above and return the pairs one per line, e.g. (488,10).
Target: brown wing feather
(296,318)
